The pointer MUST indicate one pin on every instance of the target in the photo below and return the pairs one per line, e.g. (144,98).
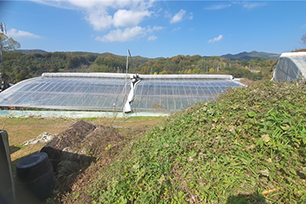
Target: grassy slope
(247,147)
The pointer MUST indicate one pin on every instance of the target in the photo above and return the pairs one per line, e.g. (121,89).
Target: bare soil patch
(81,151)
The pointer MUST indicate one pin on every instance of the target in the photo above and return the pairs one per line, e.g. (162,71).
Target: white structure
(112,92)
(290,66)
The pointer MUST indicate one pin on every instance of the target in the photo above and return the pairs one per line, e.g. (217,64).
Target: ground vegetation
(249,146)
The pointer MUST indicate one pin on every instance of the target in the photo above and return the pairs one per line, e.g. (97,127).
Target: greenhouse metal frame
(113,92)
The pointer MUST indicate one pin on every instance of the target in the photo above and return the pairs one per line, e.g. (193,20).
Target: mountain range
(25,51)
(251,55)
(240,56)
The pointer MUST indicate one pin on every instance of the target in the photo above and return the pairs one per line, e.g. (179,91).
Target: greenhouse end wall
(290,66)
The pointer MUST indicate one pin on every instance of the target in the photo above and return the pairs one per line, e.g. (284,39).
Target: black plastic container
(34,178)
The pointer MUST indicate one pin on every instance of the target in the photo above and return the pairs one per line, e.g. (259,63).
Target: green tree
(244,63)
(8,43)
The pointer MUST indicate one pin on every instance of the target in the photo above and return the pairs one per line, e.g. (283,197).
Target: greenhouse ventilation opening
(290,66)
(112,92)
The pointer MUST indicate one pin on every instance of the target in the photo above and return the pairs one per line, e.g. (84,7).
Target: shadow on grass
(246,199)
(14,149)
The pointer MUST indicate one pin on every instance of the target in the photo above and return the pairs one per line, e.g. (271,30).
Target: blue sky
(156,28)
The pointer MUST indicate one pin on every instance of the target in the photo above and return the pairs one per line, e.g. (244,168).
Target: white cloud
(100,20)
(122,35)
(57,4)
(248,5)
(190,16)
(89,4)
(216,39)
(151,38)
(218,7)
(178,17)
(120,19)
(155,28)
(125,18)
(252,5)
(129,34)
(176,29)
(104,14)
(18,33)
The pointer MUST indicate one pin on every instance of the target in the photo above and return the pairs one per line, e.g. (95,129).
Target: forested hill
(251,55)
(30,51)
(20,66)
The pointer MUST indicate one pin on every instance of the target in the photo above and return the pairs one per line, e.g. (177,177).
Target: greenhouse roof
(290,66)
(112,92)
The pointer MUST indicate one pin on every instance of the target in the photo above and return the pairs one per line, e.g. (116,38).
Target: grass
(23,129)
(249,146)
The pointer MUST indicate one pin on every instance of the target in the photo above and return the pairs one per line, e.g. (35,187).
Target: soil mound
(75,134)
(73,150)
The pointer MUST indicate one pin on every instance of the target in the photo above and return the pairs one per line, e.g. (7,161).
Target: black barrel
(34,177)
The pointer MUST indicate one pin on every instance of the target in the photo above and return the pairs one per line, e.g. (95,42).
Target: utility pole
(4,84)
(2,31)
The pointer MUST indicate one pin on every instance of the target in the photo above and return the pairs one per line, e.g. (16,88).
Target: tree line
(19,66)
(22,65)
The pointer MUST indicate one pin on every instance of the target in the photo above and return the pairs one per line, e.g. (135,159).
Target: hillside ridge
(251,55)
(240,56)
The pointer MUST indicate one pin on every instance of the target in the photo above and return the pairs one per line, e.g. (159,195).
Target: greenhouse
(290,66)
(115,92)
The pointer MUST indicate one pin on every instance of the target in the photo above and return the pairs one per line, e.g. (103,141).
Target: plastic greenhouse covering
(114,92)
(290,66)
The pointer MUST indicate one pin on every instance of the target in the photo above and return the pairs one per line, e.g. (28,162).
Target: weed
(247,146)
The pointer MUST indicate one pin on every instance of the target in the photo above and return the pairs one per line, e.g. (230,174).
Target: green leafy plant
(248,146)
